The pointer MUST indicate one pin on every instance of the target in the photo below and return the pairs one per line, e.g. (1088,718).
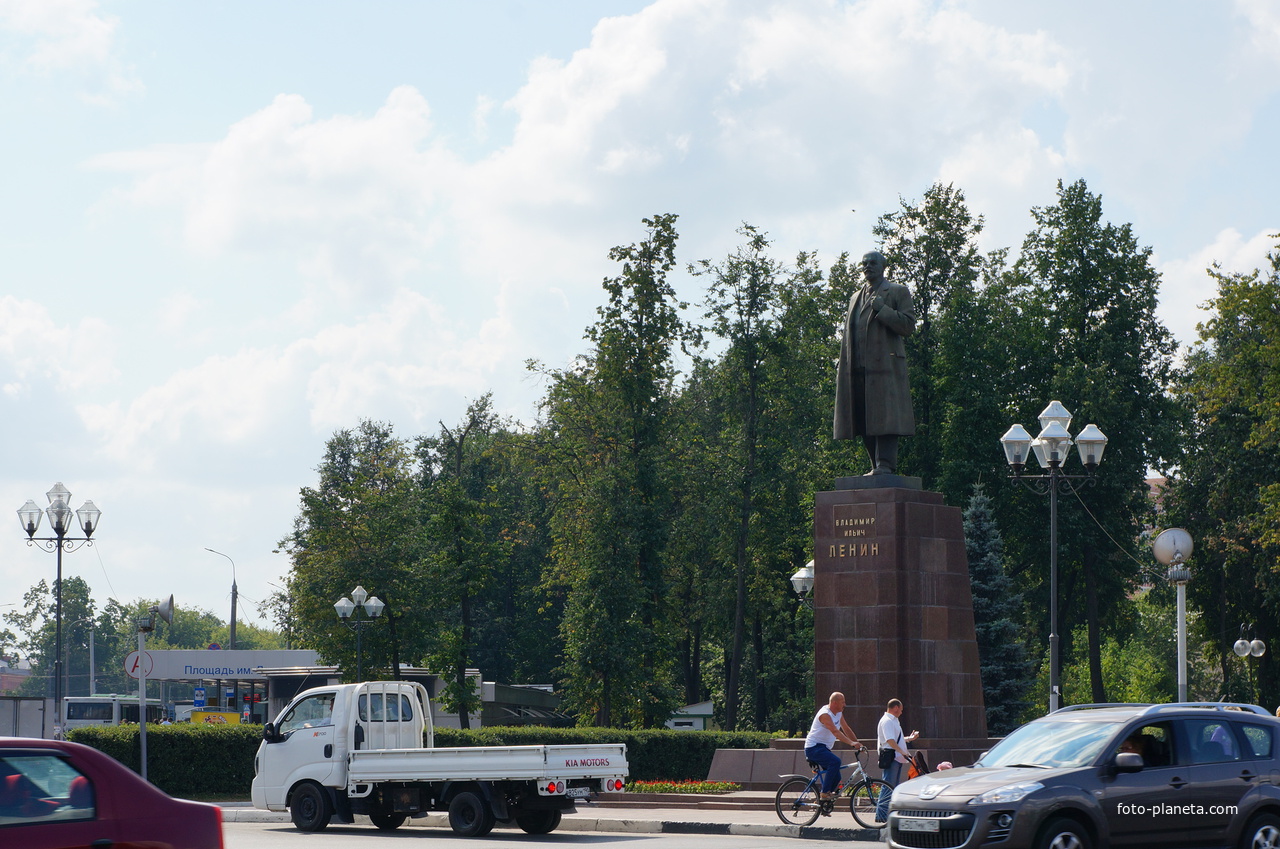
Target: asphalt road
(259,835)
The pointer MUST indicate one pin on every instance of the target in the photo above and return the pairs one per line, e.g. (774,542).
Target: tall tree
(742,304)
(606,439)
(465,531)
(932,248)
(997,608)
(1089,294)
(362,524)
(1225,492)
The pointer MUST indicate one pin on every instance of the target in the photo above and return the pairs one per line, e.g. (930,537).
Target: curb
(615,825)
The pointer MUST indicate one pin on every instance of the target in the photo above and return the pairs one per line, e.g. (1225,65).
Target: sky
(229,230)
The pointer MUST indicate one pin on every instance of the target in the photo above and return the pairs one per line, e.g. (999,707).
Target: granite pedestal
(893,613)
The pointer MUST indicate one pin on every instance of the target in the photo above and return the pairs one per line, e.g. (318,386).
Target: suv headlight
(1008,793)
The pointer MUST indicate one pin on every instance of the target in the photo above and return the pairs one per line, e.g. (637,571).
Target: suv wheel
(1064,833)
(1263,833)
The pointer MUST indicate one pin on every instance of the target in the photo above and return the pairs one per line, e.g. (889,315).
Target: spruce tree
(1006,672)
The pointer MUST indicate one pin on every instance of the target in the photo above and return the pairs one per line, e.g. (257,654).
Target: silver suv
(1192,775)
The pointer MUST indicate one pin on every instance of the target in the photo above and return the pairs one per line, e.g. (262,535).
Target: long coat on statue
(886,391)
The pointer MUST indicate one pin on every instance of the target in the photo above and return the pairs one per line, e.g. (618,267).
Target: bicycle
(799,800)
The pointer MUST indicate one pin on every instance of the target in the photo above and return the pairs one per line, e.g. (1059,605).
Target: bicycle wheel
(797,801)
(866,795)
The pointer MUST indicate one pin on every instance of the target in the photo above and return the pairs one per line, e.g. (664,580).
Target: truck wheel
(539,822)
(309,808)
(469,816)
(388,822)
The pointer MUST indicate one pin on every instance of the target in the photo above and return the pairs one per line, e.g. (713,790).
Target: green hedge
(654,755)
(209,760)
(184,759)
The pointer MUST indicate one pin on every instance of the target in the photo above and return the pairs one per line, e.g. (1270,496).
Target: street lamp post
(59,512)
(1172,547)
(147,624)
(802,584)
(234,593)
(1052,447)
(372,606)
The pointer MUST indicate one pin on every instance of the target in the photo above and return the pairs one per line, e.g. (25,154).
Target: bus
(106,709)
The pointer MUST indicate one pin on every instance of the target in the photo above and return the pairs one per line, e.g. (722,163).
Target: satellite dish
(165,610)
(1173,544)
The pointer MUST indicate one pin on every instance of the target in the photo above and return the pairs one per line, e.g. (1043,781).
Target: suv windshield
(1052,742)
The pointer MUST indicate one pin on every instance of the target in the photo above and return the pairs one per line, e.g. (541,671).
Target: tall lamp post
(234,593)
(59,512)
(372,606)
(146,624)
(1172,547)
(1052,447)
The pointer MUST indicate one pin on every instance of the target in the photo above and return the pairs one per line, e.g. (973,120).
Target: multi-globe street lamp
(59,512)
(1051,448)
(372,607)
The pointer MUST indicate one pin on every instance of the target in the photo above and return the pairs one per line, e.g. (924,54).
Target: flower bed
(682,786)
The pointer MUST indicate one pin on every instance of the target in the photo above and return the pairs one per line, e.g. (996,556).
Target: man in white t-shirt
(889,736)
(828,727)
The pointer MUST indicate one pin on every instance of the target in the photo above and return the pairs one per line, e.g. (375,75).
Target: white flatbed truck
(352,749)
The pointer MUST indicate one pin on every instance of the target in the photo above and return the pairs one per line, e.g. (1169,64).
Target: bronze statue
(873,394)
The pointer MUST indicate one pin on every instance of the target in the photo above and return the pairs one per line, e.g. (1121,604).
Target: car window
(395,710)
(1154,742)
(1258,741)
(1211,741)
(311,712)
(38,787)
(1054,742)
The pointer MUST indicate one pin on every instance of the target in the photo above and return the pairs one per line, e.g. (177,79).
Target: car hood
(966,782)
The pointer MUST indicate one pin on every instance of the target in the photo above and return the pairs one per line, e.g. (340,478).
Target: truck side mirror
(269,733)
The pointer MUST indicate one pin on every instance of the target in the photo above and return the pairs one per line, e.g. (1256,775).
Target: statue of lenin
(873,394)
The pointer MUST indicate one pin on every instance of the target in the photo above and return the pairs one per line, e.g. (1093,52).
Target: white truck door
(306,746)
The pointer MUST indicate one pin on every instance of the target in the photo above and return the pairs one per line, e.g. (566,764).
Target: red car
(58,795)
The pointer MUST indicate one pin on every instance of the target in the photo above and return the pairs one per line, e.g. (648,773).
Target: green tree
(362,524)
(997,608)
(1225,491)
(605,442)
(932,247)
(35,628)
(466,540)
(742,304)
(1089,294)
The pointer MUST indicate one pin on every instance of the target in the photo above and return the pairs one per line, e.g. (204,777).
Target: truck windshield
(1052,742)
(311,712)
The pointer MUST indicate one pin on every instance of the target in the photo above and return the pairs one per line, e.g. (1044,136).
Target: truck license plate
(578,792)
(905,824)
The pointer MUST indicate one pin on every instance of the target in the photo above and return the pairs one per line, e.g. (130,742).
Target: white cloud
(394,363)
(35,348)
(69,35)
(354,200)
(1263,21)
(1186,287)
